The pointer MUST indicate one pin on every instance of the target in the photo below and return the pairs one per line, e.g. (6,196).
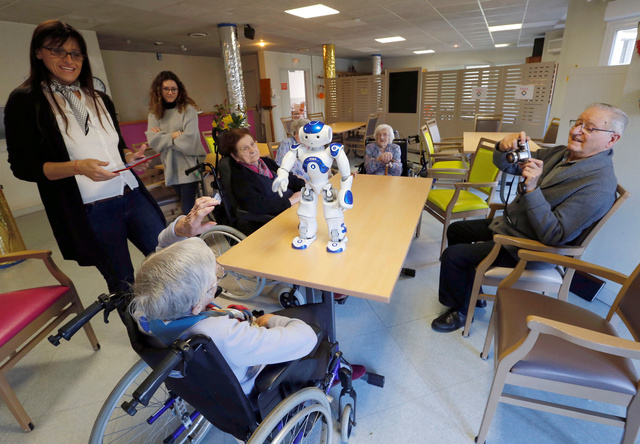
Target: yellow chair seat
(467,201)
(457,164)
(211,145)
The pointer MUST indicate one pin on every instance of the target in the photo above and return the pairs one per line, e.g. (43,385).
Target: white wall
(130,75)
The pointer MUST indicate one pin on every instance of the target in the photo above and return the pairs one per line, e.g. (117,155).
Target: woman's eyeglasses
(62,53)
(170,90)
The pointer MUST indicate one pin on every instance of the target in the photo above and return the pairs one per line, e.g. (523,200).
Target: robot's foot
(300,244)
(337,247)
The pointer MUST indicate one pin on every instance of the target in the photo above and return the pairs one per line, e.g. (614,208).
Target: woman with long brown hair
(173,131)
(64,136)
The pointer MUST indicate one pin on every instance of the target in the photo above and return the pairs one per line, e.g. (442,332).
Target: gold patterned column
(329,59)
(10,238)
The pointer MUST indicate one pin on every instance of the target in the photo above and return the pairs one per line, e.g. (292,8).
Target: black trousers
(469,243)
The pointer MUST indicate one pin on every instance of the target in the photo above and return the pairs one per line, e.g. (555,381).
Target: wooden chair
(286,122)
(551,134)
(359,141)
(29,316)
(316,116)
(459,203)
(551,345)
(488,123)
(211,144)
(551,280)
(273,149)
(438,141)
(434,158)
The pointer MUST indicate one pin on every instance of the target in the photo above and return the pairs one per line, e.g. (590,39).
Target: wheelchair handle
(104,302)
(180,351)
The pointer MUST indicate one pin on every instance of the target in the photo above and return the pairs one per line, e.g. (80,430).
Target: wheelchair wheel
(304,417)
(113,425)
(234,285)
(346,423)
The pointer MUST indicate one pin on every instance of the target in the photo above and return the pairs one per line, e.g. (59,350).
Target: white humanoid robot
(316,161)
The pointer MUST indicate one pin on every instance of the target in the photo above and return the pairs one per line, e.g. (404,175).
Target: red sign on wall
(283,86)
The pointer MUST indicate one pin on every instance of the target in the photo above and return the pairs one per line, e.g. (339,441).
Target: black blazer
(253,191)
(33,138)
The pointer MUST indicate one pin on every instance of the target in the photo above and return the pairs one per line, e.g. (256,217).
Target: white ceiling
(135,25)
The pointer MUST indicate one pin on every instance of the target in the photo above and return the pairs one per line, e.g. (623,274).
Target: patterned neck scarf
(79,110)
(261,169)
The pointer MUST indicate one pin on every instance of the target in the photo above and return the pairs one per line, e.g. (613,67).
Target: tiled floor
(436,384)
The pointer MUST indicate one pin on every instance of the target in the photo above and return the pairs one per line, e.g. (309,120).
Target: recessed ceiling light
(312,11)
(261,44)
(501,45)
(505,27)
(424,51)
(391,39)
(158,43)
(196,35)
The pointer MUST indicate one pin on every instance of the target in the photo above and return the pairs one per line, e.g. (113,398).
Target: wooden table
(470,140)
(380,227)
(345,127)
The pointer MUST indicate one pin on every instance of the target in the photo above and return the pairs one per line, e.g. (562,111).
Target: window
(619,42)
(623,45)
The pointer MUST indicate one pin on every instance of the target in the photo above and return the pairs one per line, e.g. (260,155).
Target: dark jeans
(469,243)
(131,216)
(187,193)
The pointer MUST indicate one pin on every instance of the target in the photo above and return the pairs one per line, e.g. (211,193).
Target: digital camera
(521,155)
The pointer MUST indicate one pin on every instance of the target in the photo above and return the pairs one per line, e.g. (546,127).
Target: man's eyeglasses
(61,53)
(587,128)
(170,90)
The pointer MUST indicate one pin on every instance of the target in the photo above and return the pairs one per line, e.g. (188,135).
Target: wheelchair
(238,223)
(175,394)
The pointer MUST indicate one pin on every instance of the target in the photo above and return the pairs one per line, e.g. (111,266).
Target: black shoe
(451,320)
(481,303)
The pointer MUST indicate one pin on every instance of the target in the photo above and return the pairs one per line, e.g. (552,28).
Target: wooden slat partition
(354,98)
(448,96)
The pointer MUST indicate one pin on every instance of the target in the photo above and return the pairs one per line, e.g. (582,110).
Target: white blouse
(100,143)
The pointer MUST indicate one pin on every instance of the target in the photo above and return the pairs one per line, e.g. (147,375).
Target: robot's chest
(316,163)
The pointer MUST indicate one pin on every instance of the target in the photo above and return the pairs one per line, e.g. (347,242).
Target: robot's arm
(345,197)
(281,182)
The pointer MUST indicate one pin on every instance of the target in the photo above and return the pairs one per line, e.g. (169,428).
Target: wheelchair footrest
(374,379)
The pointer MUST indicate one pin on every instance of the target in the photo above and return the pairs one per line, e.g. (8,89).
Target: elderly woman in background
(252,175)
(286,144)
(63,135)
(173,131)
(383,153)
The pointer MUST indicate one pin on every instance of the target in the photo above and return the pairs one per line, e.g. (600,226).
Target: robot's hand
(345,197)
(281,182)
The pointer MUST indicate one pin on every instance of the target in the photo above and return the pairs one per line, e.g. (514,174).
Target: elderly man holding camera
(564,190)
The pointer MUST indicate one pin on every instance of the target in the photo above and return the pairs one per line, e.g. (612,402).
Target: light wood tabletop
(345,127)
(470,140)
(380,227)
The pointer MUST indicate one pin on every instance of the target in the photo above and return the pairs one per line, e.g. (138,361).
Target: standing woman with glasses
(64,136)
(173,131)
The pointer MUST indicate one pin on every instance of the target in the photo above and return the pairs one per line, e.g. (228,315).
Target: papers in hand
(136,162)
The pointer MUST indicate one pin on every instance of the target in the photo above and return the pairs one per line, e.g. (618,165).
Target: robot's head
(315,134)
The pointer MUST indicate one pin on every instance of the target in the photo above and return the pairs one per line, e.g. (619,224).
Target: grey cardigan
(182,152)
(563,205)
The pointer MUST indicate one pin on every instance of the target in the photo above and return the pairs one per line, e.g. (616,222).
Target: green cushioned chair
(460,203)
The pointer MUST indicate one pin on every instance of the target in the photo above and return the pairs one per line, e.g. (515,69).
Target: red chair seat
(20,308)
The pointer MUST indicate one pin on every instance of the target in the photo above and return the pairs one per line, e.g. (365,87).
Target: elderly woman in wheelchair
(204,366)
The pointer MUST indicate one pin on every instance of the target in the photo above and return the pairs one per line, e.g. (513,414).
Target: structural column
(376,59)
(232,65)
(329,59)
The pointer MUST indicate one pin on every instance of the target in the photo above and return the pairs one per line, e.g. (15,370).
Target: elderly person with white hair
(172,290)
(383,153)
(286,145)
